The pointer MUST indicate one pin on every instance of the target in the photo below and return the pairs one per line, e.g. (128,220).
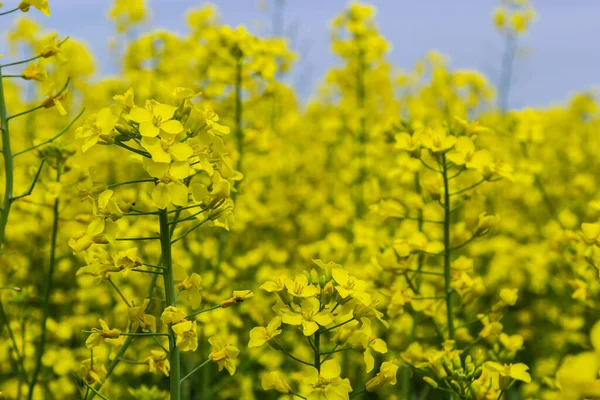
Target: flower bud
(431,382)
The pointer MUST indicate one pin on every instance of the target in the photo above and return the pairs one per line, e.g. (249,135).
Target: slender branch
(338,325)
(295,358)
(139,238)
(32,185)
(430,221)
(354,394)
(22,61)
(10,11)
(466,189)
(93,389)
(54,137)
(145,271)
(203,311)
(119,292)
(41,105)
(140,152)
(463,244)
(114,185)
(47,287)
(190,231)
(192,372)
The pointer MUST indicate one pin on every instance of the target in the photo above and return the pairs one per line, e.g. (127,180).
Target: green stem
(192,372)
(354,394)
(239,132)
(129,183)
(295,358)
(170,293)
(203,311)
(10,11)
(8,164)
(22,61)
(53,138)
(338,325)
(447,250)
(318,350)
(129,339)
(47,292)
(119,292)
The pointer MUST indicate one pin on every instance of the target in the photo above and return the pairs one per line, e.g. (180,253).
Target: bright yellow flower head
(308,315)
(261,335)
(327,384)
(41,5)
(386,375)
(98,335)
(224,354)
(155,118)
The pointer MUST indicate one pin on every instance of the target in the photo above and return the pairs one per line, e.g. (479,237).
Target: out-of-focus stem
(170,293)
(47,291)
(8,164)
(447,250)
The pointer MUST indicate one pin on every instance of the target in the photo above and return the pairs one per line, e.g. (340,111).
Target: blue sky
(561,54)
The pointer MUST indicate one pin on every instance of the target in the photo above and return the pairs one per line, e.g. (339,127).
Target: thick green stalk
(447,279)
(170,293)
(47,291)
(129,339)
(8,165)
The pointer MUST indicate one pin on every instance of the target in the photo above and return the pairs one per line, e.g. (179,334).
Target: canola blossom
(189,229)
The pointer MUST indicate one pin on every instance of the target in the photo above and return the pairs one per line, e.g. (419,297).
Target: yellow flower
(223,353)
(139,318)
(55,98)
(274,380)
(191,289)
(261,335)
(34,72)
(386,375)
(168,191)
(164,150)
(93,372)
(172,315)
(158,361)
(187,336)
(308,315)
(41,5)
(154,118)
(363,339)
(350,286)
(299,287)
(485,222)
(327,384)
(126,100)
(97,127)
(509,296)
(435,139)
(238,297)
(98,335)
(591,233)
(509,371)
(499,18)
